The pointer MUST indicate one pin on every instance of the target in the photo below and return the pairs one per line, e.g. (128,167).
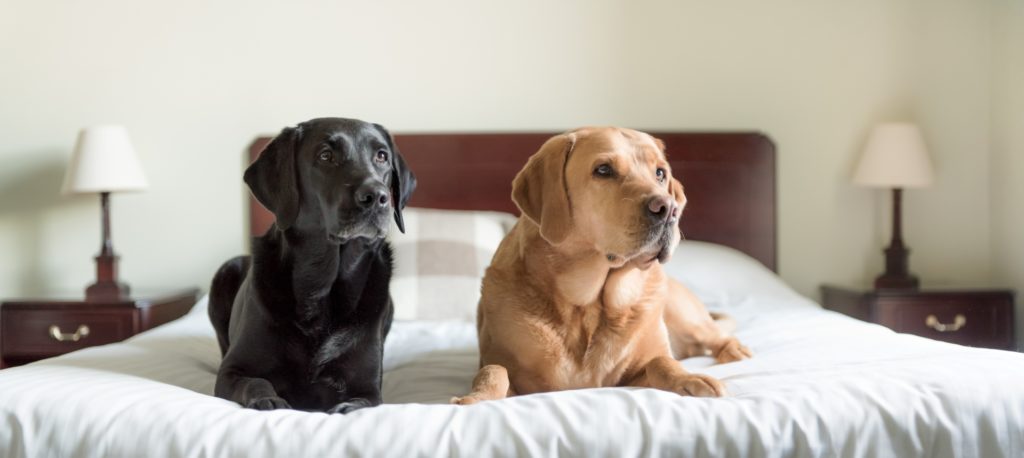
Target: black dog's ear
(273,177)
(403,182)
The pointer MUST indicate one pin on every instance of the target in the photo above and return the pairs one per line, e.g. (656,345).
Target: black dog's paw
(268,403)
(350,406)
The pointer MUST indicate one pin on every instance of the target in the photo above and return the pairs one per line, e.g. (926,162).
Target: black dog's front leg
(250,392)
(354,404)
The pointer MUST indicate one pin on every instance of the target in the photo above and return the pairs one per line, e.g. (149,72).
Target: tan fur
(572,298)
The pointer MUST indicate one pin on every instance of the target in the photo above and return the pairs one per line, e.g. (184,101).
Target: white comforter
(819,385)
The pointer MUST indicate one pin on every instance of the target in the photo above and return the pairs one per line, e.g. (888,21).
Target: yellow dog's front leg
(491,383)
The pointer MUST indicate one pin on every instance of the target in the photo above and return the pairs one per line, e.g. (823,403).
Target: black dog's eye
(382,156)
(660,173)
(325,155)
(604,170)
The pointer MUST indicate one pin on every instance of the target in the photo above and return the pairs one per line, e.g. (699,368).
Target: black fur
(301,324)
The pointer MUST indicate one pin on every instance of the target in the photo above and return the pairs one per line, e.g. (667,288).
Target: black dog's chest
(343,364)
(341,312)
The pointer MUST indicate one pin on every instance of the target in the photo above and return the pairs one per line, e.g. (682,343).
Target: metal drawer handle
(80,333)
(958,322)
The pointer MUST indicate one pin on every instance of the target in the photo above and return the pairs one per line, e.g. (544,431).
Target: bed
(820,384)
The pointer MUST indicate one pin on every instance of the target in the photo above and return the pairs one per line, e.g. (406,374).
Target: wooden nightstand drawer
(965,320)
(978,318)
(29,333)
(34,329)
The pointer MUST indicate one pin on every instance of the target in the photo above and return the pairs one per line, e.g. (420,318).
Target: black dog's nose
(659,208)
(370,194)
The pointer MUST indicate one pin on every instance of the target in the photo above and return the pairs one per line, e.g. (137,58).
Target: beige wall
(815,76)
(1008,150)
(195,81)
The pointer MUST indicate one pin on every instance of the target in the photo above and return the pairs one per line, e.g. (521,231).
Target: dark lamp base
(107,292)
(897,274)
(107,287)
(896,282)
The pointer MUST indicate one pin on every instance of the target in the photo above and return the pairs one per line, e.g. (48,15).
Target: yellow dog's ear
(541,192)
(661,144)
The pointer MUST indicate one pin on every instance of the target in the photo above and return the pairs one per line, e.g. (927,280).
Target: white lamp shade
(895,157)
(104,161)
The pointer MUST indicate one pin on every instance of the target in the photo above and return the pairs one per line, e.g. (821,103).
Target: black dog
(303,324)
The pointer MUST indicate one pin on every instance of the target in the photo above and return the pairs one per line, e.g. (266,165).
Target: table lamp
(104,162)
(895,157)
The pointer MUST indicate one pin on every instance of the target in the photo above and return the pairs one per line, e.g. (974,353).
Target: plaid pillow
(440,260)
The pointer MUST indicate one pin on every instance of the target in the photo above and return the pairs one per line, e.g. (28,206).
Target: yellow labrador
(575,296)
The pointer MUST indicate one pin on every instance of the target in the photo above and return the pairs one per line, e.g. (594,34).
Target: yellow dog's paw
(465,400)
(732,351)
(700,385)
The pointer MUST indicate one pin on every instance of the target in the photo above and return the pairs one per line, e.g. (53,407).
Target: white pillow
(441,258)
(725,277)
(440,261)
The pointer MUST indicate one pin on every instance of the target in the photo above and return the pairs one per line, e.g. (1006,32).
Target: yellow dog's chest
(599,347)
(599,340)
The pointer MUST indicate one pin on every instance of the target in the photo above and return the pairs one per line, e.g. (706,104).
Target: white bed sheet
(820,384)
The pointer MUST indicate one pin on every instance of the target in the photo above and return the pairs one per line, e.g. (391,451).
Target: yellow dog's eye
(604,170)
(660,173)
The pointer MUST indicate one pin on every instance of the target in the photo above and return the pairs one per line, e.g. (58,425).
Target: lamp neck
(107,247)
(897,217)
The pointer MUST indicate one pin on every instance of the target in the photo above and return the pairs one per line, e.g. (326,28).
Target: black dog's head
(339,176)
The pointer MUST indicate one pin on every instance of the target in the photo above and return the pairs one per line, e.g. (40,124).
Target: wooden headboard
(729,180)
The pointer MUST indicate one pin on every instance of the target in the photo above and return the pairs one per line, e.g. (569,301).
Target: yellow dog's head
(610,189)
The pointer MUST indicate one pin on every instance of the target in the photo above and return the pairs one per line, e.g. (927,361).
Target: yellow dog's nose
(661,208)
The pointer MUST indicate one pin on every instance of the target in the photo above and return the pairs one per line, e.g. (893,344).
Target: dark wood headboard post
(729,179)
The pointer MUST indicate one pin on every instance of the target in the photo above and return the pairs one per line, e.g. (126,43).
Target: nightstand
(977,318)
(34,329)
